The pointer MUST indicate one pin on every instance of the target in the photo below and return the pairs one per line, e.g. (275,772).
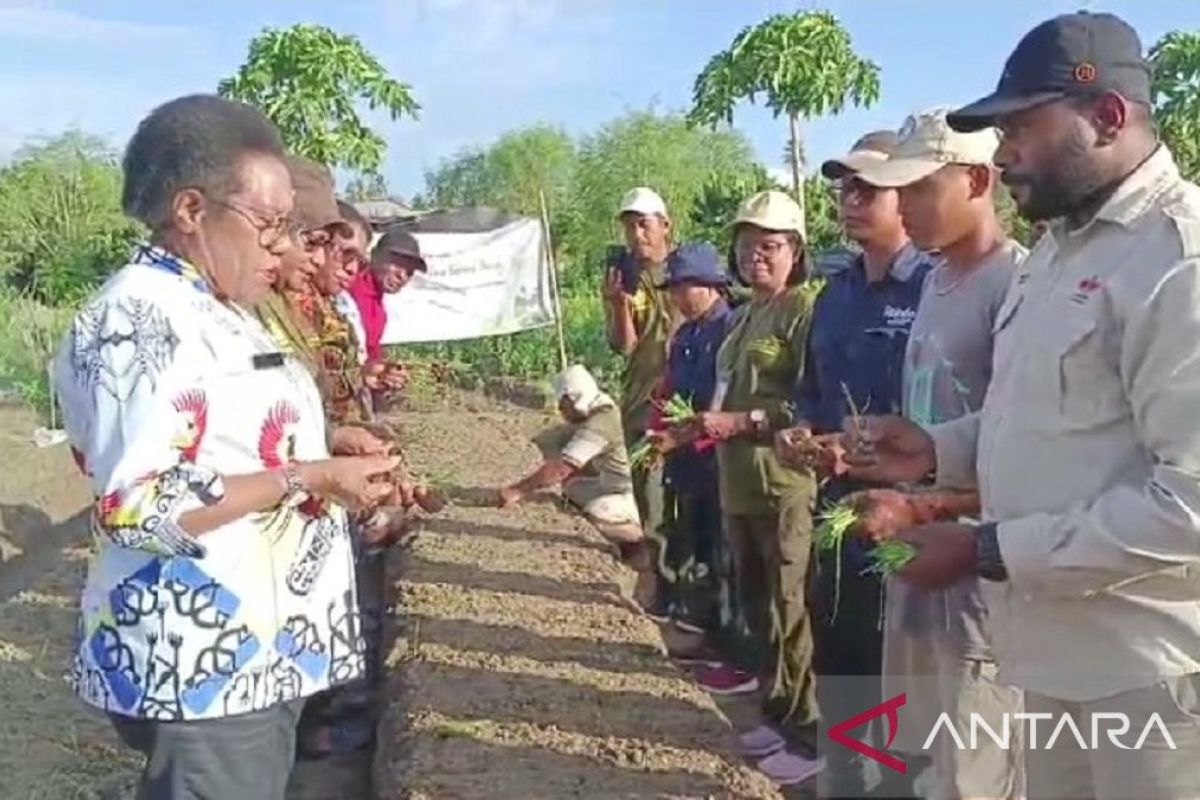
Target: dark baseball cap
(1072,54)
(695,262)
(398,242)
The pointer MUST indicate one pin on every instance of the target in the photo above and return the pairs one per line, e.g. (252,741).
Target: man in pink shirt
(395,259)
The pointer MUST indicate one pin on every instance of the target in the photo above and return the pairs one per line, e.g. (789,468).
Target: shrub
(30,332)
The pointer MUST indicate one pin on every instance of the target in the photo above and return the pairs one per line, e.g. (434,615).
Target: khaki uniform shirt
(652,319)
(758,367)
(1087,448)
(596,448)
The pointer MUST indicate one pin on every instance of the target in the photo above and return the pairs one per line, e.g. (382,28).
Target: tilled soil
(51,746)
(520,668)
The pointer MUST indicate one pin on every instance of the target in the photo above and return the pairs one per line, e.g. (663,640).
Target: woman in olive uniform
(767,507)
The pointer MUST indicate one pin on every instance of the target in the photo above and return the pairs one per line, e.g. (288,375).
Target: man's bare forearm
(551,472)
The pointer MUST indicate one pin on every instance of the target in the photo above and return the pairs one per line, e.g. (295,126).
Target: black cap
(1069,55)
(399,242)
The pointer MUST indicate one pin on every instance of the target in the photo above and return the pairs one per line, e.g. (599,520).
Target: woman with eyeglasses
(221,594)
(767,507)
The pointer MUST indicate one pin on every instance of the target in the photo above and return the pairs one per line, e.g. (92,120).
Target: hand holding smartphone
(621,269)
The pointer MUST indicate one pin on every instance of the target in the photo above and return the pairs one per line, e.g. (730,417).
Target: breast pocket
(1081,373)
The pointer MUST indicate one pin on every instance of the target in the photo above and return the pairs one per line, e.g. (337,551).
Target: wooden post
(548,244)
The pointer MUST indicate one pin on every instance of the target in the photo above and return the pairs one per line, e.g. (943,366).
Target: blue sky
(481,67)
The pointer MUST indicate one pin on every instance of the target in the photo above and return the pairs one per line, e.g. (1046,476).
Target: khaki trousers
(1110,771)
(770,563)
(938,679)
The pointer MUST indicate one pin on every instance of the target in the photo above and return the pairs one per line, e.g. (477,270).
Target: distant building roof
(384,210)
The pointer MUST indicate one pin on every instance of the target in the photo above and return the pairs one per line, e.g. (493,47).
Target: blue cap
(695,262)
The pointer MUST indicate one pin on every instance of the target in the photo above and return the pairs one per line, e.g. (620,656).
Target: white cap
(644,201)
(928,143)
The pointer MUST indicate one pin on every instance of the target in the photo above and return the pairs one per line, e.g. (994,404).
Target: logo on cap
(1085,72)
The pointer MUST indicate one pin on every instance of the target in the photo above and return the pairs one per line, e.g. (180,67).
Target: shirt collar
(904,264)
(162,260)
(1133,197)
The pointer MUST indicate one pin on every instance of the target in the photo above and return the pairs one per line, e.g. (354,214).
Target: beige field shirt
(1087,448)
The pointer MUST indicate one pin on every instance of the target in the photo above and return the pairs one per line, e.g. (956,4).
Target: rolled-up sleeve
(1134,532)
(956,447)
(129,376)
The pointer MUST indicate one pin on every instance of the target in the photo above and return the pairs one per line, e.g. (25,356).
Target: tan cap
(772,211)
(928,143)
(316,206)
(871,149)
(644,201)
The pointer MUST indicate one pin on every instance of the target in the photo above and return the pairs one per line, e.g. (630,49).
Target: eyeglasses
(768,248)
(312,240)
(854,190)
(271,231)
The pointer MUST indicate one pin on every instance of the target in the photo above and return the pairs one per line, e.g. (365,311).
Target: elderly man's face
(396,272)
(1046,159)
(244,235)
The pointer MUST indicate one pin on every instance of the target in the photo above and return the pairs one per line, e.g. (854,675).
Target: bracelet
(291,482)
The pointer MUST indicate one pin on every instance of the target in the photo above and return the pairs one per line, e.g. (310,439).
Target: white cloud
(44,23)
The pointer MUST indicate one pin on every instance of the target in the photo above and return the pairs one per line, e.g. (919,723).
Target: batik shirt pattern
(337,350)
(164,391)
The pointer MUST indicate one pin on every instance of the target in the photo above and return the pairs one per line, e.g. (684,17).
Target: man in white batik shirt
(222,589)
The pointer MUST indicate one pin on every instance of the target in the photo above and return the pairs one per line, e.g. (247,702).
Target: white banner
(478,284)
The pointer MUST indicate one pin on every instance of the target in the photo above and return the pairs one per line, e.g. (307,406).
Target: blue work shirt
(857,341)
(692,374)
(858,337)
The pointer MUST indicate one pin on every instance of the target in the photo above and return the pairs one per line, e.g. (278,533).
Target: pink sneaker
(725,680)
(760,742)
(788,769)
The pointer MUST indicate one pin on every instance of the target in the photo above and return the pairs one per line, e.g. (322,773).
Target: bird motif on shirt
(193,417)
(276,450)
(139,515)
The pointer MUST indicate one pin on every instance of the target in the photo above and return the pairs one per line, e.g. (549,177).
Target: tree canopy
(310,81)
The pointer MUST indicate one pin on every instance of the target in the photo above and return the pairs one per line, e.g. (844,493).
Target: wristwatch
(989,564)
(758,420)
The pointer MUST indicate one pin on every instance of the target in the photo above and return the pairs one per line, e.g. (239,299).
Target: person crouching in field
(697,281)
(588,458)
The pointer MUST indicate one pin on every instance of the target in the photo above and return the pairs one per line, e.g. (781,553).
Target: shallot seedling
(889,557)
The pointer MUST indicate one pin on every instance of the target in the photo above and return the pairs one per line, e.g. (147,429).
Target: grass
(29,334)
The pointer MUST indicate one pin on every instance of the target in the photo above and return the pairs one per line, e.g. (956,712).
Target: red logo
(1085,72)
(1089,285)
(838,733)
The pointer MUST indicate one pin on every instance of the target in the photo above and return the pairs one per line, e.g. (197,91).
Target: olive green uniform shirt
(758,367)
(653,316)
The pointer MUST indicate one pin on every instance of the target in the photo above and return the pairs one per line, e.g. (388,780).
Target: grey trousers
(247,757)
